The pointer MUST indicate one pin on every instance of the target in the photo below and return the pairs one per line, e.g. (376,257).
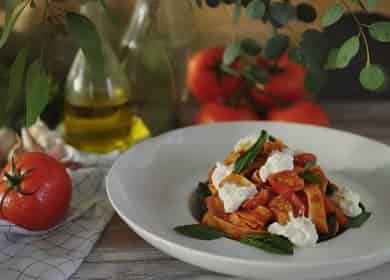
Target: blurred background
(208,27)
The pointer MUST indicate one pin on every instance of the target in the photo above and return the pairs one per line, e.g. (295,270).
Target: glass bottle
(98,115)
(155,49)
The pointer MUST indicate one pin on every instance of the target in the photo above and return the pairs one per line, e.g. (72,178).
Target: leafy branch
(23,105)
(312,50)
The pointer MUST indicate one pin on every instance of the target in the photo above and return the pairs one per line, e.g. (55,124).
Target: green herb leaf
(309,164)
(84,33)
(250,47)
(276,46)
(306,13)
(203,190)
(310,177)
(248,157)
(270,243)
(256,74)
(358,221)
(331,63)
(348,50)
(330,189)
(199,231)
(13,100)
(282,13)
(380,31)
(37,92)
(13,10)
(295,55)
(315,79)
(332,15)
(372,77)
(237,11)
(231,53)
(256,9)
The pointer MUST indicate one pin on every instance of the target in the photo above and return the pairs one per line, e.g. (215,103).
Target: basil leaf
(358,221)
(309,164)
(310,177)
(199,231)
(203,190)
(248,157)
(330,189)
(269,243)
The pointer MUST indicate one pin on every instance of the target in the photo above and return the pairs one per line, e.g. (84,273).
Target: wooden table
(121,254)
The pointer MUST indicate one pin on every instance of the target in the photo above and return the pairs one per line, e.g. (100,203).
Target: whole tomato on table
(216,112)
(287,84)
(36,191)
(206,80)
(301,112)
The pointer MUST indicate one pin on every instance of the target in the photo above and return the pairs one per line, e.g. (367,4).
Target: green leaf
(250,46)
(269,243)
(256,74)
(309,164)
(315,80)
(203,190)
(358,221)
(84,33)
(332,15)
(276,46)
(37,92)
(231,53)
(330,189)
(310,177)
(199,231)
(237,11)
(282,13)
(348,50)
(314,47)
(371,4)
(13,9)
(13,99)
(296,56)
(372,77)
(331,63)
(248,157)
(380,31)
(256,9)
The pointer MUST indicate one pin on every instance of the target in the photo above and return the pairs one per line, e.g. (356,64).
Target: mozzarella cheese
(245,143)
(220,172)
(348,201)
(301,231)
(277,162)
(234,192)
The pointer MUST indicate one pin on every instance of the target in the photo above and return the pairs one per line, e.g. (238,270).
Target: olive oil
(102,128)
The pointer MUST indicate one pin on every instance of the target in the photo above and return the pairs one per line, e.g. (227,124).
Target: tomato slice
(300,207)
(286,182)
(303,158)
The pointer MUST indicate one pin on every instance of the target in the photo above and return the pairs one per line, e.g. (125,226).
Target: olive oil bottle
(98,113)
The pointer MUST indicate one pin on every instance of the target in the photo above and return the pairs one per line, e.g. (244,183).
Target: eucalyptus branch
(361,31)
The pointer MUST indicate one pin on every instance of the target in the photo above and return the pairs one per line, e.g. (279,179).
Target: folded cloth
(58,252)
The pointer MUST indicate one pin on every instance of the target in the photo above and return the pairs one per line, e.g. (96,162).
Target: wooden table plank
(121,254)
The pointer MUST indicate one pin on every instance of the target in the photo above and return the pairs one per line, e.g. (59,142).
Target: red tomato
(40,192)
(205,79)
(286,86)
(300,112)
(303,158)
(298,204)
(261,198)
(286,182)
(215,112)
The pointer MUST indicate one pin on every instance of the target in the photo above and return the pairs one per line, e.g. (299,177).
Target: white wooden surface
(121,254)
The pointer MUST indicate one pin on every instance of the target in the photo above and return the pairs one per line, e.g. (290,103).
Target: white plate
(150,188)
